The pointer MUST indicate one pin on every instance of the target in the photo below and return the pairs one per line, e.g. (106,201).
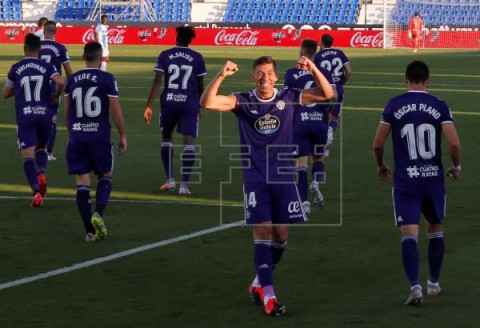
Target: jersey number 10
(420,141)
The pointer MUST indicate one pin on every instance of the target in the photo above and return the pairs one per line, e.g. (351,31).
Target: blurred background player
(40,25)
(338,64)
(182,70)
(310,127)
(271,198)
(101,36)
(91,96)
(56,54)
(29,81)
(416,25)
(418,184)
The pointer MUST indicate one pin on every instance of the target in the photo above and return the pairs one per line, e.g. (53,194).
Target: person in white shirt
(41,24)
(101,37)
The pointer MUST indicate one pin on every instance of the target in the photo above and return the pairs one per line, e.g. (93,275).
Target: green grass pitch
(342,270)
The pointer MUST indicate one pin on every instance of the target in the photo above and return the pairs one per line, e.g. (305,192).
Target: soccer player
(182,70)
(338,64)
(29,81)
(41,23)
(91,96)
(56,54)
(265,117)
(416,120)
(101,36)
(310,127)
(416,25)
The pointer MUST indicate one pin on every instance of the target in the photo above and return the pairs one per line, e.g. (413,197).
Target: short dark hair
(42,21)
(92,51)
(309,47)
(32,43)
(185,34)
(50,27)
(327,40)
(417,72)
(417,13)
(103,16)
(264,60)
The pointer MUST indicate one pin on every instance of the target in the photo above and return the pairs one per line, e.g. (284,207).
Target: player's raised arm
(156,84)
(454,149)
(210,98)
(381,135)
(323,91)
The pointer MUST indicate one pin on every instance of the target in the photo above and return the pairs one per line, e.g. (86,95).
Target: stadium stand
(10,10)
(293,11)
(448,12)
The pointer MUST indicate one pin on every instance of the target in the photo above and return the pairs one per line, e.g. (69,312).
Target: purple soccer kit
(30,79)
(333,60)
(416,120)
(89,147)
(180,100)
(265,127)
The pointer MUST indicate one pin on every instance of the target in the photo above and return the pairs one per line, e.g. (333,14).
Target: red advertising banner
(252,37)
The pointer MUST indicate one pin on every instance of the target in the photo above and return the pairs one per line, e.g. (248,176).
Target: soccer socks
(103,66)
(333,125)
(436,249)
(53,136)
(104,188)
(84,207)
(166,152)
(302,183)
(318,172)
(264,265)
(277,252)
(30,170)
(41,160)
(188,159)
(411,259)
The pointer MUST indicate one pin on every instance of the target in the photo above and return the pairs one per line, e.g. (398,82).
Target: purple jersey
(266,135)
(89,91)
(54,53)
(181,67)
(29,79)
(416,119)
(333,60)
(312,114)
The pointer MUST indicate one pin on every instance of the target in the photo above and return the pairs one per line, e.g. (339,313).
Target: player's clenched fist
(229,68)
(305,64)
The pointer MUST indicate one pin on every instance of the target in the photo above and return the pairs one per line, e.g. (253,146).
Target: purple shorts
(34,133)
(87,156)
(278,203)
(186,121)
(312,140)
(410,203)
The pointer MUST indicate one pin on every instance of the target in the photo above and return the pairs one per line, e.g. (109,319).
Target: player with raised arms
(271,200)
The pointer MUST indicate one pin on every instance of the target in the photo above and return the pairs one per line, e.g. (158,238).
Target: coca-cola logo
(144,34)
(114,35)
(241,38)
(367,41)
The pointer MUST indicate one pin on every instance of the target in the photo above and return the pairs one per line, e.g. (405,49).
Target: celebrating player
(416,120)
(29,81)
(310,127)
(101,36)
(338,64)
(265,117)
(183,70)
(90,96)
(416,25)
(56,54)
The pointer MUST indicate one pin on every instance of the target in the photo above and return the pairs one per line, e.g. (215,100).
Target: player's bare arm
(60,82)
(210,98)
(347,71)
(7,92)
(381,135)
(117,118)
(68,69)
(323,91)
(66,112)
(454,149)
(156,84)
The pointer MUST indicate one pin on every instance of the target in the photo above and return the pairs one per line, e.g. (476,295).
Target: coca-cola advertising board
(249,37)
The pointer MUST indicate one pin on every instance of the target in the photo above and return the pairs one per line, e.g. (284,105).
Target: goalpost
(446,23)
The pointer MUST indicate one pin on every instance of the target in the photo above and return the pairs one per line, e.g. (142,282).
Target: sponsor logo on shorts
(293,207)
(85,127)
(312,116)
(267,124)
(176,97)
(35,110)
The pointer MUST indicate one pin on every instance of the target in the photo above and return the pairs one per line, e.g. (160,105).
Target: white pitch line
(116,256)
(48,198)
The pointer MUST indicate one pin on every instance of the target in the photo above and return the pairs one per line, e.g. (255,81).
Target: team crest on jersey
(267,124)
(280,104)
